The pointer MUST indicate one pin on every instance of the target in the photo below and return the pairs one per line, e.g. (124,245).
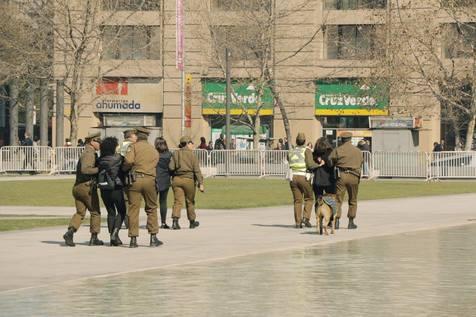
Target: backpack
(105,182)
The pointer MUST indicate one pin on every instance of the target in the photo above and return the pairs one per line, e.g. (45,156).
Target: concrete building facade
(321,54)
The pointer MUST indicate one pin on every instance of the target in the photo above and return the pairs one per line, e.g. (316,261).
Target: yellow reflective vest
(297,161)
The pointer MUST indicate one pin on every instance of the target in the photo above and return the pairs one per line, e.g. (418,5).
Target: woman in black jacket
(110,163)
(162,180)
(324,179)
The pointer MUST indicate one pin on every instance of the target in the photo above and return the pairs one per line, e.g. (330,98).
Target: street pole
(228,98)
(59,112)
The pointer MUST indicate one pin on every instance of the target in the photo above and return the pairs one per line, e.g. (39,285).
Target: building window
(242,5)
(130,5)
(357,42)
(459,40)
(131,42)
(244,41)
(355,4)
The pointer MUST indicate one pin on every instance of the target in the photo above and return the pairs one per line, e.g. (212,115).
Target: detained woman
(162,180)
(112,194)
(324,184)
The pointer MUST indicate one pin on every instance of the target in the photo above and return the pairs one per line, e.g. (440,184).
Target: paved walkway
(38,257)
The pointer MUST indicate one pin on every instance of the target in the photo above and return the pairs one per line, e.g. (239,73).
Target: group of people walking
(327,172)
(125,175)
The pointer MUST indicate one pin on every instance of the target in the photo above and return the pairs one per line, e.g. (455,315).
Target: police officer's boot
(115,238)
(194,224)
(306,223)
(94,240)
(337,223)
(351,225)
(68,237)
(133,243)
(154,242)
(175,224)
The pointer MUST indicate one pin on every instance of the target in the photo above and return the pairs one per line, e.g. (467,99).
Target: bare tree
(251,36)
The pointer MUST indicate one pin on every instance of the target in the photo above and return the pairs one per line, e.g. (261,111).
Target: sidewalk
(38,257)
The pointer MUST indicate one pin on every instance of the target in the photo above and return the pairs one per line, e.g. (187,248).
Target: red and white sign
(179,51)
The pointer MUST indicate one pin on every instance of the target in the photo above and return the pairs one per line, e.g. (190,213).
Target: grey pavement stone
(37,257)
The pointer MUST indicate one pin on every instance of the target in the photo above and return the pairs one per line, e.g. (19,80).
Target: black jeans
(163,205)
(115,206)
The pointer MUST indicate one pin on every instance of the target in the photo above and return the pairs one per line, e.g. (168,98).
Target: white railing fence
(437,165)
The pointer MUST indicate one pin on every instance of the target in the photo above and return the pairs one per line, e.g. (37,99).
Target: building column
(44,112)
(29,111)
(13,112)
(59,113)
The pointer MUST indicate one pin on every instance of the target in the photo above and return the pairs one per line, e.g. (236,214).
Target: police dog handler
(85,192)
(300,163)
(348,160)
(186,175)
(141,160)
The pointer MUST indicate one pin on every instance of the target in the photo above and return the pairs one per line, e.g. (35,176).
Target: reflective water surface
(429,273)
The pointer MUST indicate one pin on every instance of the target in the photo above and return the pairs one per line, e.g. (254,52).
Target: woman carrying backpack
(111,183)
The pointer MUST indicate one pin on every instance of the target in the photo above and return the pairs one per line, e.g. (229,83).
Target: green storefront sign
(350,98)
(244,99)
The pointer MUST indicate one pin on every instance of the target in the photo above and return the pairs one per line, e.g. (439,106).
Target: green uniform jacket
(86,169)
(185,164)
(142,158)
(347,157)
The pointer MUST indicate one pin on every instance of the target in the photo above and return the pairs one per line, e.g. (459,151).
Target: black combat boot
(164,226)
(154,242)
(337,223)
(115,238)
(94,240)
(351,225)
(175,224)
(133,243)
(68,237)
(306,223)
(299,226)
(194,224)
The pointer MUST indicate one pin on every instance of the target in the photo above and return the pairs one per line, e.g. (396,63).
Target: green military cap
(301,137)
(185,139)
(129,131)
(95,136)
(143,131)
(346,135)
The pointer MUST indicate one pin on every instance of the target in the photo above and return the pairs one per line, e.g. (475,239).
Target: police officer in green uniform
(85,192)
(348,160)
(187,174)
(300,162)
(141,160)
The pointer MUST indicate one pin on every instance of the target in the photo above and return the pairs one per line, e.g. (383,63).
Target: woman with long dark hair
(162,180)
(112,194)
(324,178)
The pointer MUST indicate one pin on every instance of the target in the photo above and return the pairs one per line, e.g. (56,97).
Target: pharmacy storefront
(245,103)
(346,105)
(122,103)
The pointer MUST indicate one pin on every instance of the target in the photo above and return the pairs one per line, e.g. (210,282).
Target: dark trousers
(115,206)
(163,205)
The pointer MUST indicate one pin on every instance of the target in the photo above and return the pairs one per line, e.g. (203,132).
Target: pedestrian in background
(111,186)
(85,192)
(162,180)
(203,144)
(348,159)
(220,143)
(186,175)
(141,160)
(300,162)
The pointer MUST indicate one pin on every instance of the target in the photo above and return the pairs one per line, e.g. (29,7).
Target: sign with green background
(244,99)
(350,98)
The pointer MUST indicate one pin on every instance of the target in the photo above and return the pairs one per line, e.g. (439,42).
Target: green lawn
(229,193)
(29,223)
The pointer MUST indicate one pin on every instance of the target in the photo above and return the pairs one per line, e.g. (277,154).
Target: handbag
(105,181)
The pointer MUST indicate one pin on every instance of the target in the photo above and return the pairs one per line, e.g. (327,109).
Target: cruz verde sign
(349,98)
(244,99)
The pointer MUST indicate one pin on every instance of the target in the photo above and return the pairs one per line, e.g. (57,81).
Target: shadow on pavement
(61,243)
(276,226)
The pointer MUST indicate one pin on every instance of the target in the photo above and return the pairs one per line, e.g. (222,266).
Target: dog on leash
(324,215)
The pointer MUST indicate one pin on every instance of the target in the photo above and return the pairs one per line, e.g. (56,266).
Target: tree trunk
(29,111)
(13,106)
(284,114)
(257,135)
(470,132)
(73,121)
